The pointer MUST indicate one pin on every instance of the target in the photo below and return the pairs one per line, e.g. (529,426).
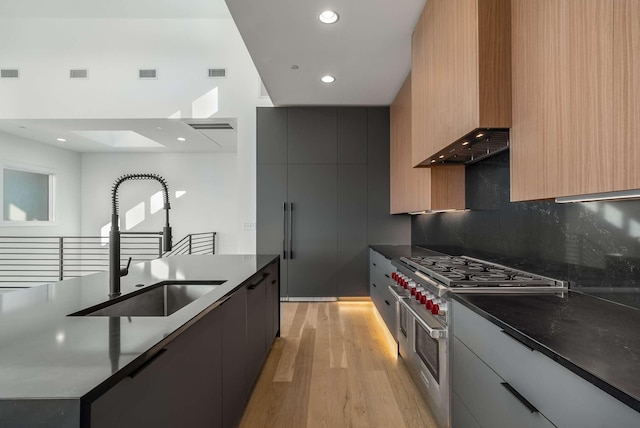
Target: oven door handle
(435,333)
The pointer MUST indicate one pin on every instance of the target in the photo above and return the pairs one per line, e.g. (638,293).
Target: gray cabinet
(335,175)
(273,304)
(352,231)
(179,386)
(312,135)
(234,357)
(256,326)
(272,215)
(484,358)
(313,227)
(380,269)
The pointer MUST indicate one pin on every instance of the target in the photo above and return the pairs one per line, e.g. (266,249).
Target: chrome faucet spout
(115,272)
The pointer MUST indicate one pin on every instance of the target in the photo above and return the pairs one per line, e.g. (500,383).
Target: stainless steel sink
(160,300)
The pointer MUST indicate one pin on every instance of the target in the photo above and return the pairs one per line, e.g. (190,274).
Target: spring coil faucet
(114,235)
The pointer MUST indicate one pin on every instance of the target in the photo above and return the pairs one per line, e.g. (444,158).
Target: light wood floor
(334,366)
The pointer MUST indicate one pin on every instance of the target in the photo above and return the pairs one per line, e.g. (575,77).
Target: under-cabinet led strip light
(608,196)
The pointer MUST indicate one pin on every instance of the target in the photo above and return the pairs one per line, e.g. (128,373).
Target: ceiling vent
(79,73)
(217,72)
(150,73)
(216,125)
(9,73)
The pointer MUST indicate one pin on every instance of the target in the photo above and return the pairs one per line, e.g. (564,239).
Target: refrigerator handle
(284,230)
(291,230)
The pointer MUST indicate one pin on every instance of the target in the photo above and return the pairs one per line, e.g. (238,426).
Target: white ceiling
(61,9)
(126,135)
(368,50)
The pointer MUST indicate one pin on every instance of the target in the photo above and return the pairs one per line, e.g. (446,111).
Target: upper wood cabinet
(461,72)
(418,189)
(576,97)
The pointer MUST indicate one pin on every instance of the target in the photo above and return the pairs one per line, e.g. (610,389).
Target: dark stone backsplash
(595,246)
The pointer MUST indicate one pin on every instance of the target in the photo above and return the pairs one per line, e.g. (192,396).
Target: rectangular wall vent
(9,73)
(217,72)
(78,73)
(148,74)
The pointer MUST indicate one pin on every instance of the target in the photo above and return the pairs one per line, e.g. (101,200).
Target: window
(27,196)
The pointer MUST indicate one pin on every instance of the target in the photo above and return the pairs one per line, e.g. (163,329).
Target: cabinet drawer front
(564,397)
(481,390)
(461,416)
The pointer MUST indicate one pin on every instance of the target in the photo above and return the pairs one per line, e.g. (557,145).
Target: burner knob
(423,299)
(429,304)
(413,291)
(435,309)
(418,294)
(393,276)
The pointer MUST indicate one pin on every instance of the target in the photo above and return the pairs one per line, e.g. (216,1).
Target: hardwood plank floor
(334,366)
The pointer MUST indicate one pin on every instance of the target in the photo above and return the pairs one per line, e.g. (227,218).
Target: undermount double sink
(158,300)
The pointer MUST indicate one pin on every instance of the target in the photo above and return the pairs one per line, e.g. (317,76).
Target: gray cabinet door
(353,252)
(352,136)
(234,357)
(383,227)
(313,263)
(271,135)
(256,326)
(312,135)
(271,217)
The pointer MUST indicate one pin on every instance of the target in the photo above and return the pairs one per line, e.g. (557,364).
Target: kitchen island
(79,371)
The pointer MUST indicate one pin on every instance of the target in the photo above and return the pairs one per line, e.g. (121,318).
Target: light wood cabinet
(418,189)
(461,72)
(576,97)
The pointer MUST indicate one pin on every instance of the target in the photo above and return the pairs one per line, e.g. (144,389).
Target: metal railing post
(159,247)
(61,258)
(190,243)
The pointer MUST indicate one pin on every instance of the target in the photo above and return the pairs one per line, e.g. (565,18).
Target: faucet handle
(125,271)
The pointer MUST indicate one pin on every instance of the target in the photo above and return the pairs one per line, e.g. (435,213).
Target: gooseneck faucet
(114,235)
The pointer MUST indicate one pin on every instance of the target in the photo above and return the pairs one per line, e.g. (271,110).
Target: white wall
(113,50)
(65,164)
(209,204)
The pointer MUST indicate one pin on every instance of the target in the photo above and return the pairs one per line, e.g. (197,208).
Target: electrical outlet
(248,226)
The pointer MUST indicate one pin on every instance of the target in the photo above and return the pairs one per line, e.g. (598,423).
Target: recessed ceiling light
(295,67)
(182,139)
(441,156)
(328,79)
(328,17)
(22,127)
(433,161)
(480,135)
(62,140)
(466,143)
(159,127)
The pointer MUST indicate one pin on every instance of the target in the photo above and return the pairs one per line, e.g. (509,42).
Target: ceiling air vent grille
(217,125)
(150,73)
(78,73)
(9,73)
(217,72)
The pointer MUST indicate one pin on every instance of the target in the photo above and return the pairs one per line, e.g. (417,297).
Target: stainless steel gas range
(422,303)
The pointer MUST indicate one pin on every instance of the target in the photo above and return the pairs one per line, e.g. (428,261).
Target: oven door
(405,330)
(430,362)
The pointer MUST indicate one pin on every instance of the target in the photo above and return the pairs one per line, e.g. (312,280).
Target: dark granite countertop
(597,339)
(396,251)
(46,354)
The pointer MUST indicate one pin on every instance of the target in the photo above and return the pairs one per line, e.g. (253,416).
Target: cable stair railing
(30,260)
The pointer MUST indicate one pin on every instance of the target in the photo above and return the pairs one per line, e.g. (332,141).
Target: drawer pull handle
(253,286)
(374,264)
(387,302)
(517,340)
(387,276)
(374,285)
(520,398)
